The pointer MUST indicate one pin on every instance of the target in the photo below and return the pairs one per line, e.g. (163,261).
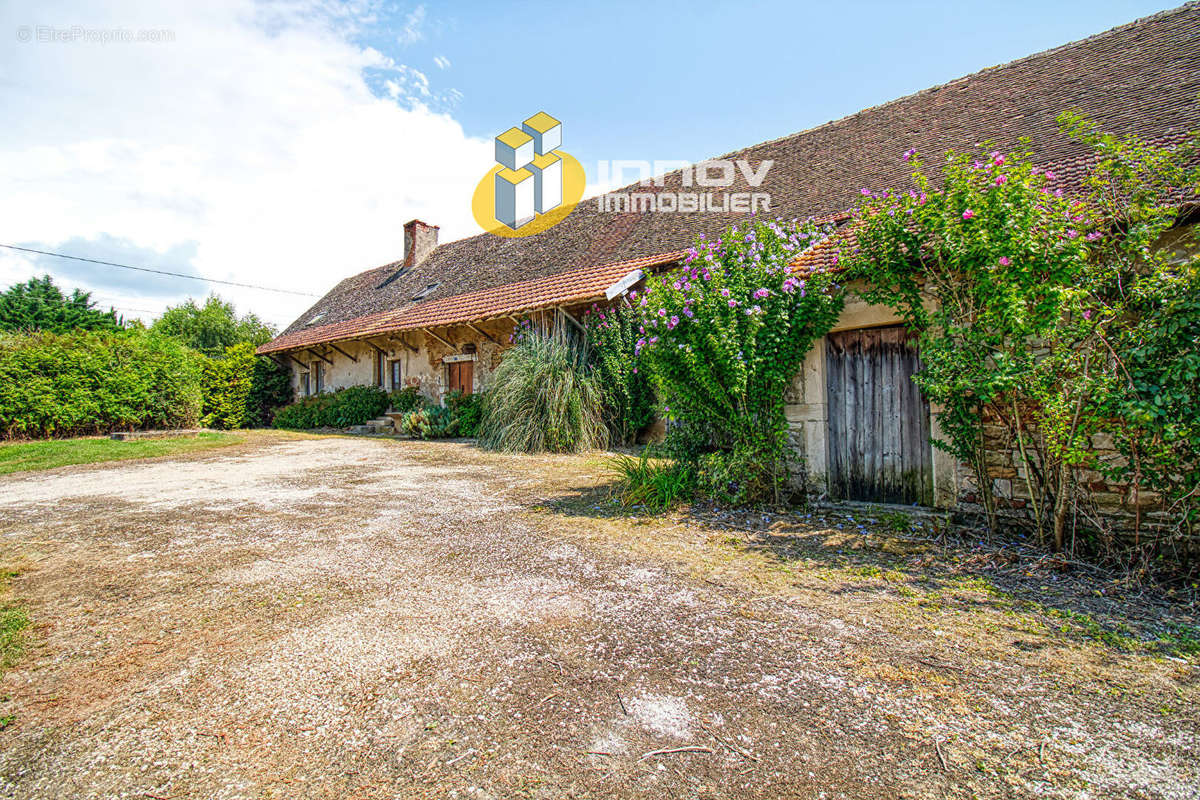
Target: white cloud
(413,22)
(250,148)
(442,62)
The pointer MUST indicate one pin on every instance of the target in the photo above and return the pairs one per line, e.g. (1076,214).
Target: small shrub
(432,422)
(417,424)
(739,477)
(406,399)
(543,397)
(655,484)
(343,408)
(467,410)
(896,521)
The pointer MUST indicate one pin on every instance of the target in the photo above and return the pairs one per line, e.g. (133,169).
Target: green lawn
(51,453)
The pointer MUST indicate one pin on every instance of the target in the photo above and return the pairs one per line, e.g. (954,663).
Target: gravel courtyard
(344,617)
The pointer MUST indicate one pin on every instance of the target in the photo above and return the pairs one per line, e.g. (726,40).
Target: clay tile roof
(1141,78)
(566,288)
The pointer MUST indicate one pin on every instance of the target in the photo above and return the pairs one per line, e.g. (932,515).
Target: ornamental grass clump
(543,398)
(722,338)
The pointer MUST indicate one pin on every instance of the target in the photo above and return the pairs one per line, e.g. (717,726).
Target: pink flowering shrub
(1037,302)
(724,335)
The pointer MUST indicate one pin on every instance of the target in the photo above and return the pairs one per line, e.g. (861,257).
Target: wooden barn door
(879,448)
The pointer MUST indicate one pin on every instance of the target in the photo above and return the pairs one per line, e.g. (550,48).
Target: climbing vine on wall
(1038,300)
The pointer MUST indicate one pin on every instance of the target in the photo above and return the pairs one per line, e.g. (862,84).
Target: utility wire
(157,271)
(67,301)
(99,300)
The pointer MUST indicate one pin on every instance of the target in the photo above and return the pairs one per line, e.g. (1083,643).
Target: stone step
(371,427)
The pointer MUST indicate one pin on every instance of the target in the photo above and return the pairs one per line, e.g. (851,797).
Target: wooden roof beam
(484,334)
(430,333)
(343,352)
(574,321)
(318,355)
(400,340)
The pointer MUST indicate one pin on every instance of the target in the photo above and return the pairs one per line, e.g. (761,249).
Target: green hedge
(88,382)
(352,406)
(242,390)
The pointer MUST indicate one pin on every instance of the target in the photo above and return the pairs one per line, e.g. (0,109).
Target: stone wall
(1102,504)
(424,368)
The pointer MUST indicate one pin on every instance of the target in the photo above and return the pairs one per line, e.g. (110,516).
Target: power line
(157,271)
(67,303)
(99,300)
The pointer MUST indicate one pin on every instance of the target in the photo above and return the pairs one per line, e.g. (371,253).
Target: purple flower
(1087,314)
(761,293)
(1001,180)
(1004,261)
(733,303)
(687,312)
(865,192)
(662,312)
(968,214)
(674,320)
(725,293)
(910,153)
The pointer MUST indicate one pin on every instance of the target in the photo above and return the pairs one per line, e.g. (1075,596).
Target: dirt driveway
(337,617)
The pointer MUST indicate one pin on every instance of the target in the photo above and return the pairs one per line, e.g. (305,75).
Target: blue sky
(660,80)
(285,142)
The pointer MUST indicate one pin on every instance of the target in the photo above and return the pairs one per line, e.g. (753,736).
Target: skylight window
(425,291)
(316,318)
(392,277)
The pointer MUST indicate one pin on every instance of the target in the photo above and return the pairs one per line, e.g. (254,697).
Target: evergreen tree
(39,305)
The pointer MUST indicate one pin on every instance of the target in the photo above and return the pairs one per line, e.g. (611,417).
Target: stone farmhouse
(440,318)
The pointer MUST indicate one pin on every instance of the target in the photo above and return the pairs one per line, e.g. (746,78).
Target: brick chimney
(420,239)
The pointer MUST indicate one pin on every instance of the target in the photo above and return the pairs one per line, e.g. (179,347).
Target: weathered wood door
(461,376)
(879,448)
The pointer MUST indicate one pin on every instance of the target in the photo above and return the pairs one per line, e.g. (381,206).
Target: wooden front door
(879,448)
(461,376)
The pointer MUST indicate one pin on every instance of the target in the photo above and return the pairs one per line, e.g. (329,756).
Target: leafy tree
(39,305)
(212,327)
